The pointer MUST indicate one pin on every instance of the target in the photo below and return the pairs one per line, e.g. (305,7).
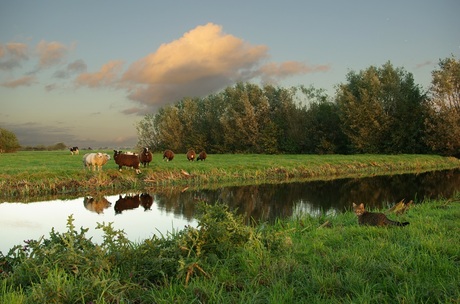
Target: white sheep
(95,160)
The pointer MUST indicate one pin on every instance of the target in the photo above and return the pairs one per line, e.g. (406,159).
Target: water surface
(141,215)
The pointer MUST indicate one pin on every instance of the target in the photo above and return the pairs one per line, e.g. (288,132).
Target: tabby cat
(372,218)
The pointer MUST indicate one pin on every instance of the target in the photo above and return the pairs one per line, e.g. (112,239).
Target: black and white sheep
(74,150)
(95,160)
(145,157)
(126,160)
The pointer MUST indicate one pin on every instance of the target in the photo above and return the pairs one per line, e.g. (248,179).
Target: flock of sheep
(129,159)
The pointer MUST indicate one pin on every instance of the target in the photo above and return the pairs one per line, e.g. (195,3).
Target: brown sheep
(191,155)
(145,157)
(202,156)
(127,160)
(168,154)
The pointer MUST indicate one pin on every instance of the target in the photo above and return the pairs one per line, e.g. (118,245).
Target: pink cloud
(50,53)
(23,81)
(106,76)
(12,54)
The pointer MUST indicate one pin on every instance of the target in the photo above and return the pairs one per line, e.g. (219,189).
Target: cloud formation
(12,55)
(106,76)
(202,61)
(23,81)
(50,53)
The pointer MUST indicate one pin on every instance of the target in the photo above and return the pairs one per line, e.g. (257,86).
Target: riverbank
(30,174)
(327,259)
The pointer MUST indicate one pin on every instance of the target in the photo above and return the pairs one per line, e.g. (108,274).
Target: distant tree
(443,121)
(381,111)
(8,141)
(147,134)
(58,146)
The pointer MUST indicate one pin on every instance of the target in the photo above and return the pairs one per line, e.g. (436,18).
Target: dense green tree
(381,111)
(443,122)
(8,141)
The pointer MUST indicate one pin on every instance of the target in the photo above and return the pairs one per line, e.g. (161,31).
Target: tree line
(377,110)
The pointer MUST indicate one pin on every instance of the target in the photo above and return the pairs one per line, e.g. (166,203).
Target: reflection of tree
(268,202)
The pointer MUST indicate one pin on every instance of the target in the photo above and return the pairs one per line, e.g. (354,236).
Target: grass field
(57,172)
(298,260)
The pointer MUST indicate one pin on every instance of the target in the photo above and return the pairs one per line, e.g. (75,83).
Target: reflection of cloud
(23,81)
(107,75)
(12,54)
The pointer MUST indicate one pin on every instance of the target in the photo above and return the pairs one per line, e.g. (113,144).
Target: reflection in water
(96,204)
(174,208)
(268,202)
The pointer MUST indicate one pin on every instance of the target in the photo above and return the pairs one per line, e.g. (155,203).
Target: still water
(142,215)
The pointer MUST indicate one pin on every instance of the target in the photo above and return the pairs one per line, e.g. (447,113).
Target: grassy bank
(26,174)
(299,260)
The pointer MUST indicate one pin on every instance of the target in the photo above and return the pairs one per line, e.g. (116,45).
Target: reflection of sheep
(168,154)
(145,157)
(95,160)
(146,201)
(96,204)
(202,156)
(127,160)
(126,203)
(191,155)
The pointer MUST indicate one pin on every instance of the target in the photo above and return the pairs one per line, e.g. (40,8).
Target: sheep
(95,160)
(168,154)
(127,160)
(74,150)
(145,157)
(202,156)
(191,154)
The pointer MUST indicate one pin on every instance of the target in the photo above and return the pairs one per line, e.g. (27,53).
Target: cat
(374,219)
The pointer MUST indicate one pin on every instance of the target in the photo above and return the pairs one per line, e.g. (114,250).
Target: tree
(443,121)
(381,111)
(8,141)
(147,134)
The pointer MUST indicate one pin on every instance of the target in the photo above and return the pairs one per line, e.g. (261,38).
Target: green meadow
(27,174)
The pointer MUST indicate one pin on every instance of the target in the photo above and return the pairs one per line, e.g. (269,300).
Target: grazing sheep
(191,154)
(74,150)
(127,160)
(168,154)
(202,156)
(145,157)
(95,160)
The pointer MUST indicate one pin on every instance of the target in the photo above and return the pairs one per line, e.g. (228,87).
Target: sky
(85,73)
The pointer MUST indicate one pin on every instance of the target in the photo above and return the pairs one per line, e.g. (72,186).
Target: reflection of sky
(19,222)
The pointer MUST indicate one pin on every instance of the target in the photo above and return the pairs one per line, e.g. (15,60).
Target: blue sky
(85,72)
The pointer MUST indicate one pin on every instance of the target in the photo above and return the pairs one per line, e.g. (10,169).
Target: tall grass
(298,260)
(35,173)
